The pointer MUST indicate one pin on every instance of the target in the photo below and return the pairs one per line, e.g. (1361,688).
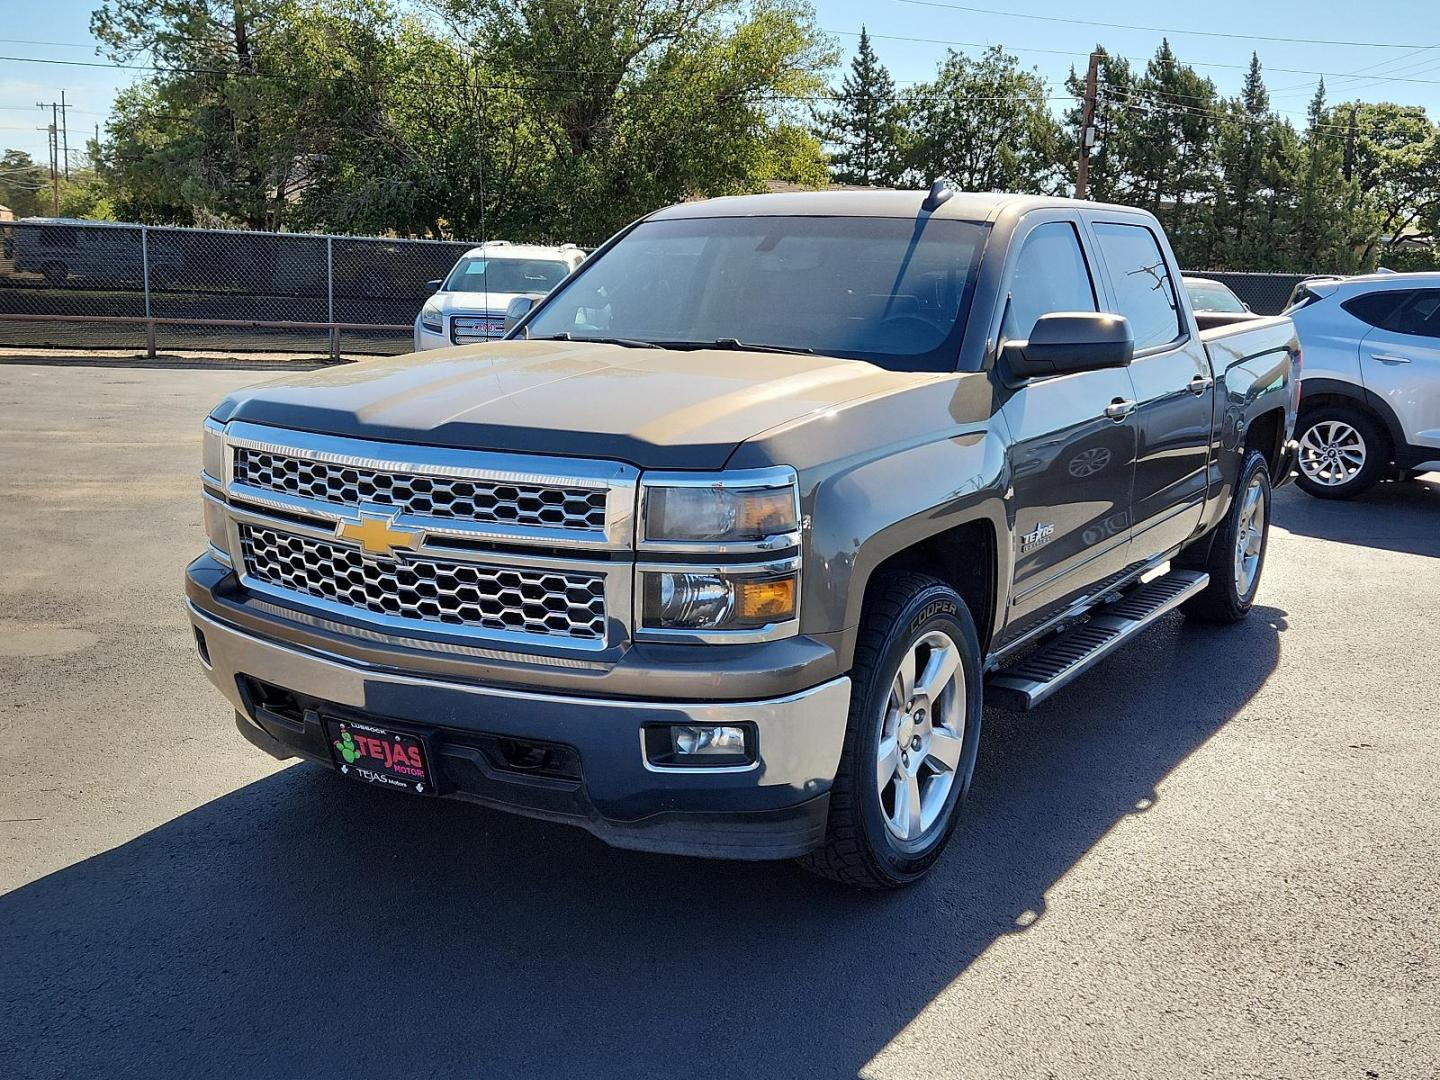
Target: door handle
(1120,408)
(1200,383)
(1389,358)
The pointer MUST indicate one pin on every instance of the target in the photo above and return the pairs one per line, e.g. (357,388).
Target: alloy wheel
(922,735)
(1250,537)
(1331,453)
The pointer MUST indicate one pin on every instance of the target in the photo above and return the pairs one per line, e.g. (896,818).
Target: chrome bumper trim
(800,734)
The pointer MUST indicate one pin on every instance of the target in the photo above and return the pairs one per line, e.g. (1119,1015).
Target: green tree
(213,117)
(1169,150)
(24,185)
(1396,163)
(1250,138)
(984,124)
(624,107)
(1329,211)
(864,126)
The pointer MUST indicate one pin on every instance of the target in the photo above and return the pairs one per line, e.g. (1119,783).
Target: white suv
(469,304)
(1370,392)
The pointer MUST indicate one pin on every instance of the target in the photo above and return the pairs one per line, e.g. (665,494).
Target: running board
(1030,681)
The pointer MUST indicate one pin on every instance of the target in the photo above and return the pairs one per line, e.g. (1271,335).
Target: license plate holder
(375,754)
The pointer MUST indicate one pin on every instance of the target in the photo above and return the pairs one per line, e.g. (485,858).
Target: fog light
(708,740)
(699,746)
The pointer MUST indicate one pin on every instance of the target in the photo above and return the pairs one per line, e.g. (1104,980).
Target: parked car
(724,549)
(1214,298)
(1371,386)
(98,253)
(469,304)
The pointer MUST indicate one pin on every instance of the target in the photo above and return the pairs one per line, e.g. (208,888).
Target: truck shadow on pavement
(304,926)
(1392,516)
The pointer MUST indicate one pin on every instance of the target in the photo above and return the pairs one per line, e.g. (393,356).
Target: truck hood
(654,408)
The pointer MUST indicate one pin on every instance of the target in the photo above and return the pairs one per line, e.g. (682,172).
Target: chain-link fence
(1266,293)
(95,286)
(90,285)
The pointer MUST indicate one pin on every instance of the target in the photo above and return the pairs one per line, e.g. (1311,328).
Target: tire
(1236,553)
(912,619)
(1343,432)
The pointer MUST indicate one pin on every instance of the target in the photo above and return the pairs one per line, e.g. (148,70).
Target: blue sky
(59,30)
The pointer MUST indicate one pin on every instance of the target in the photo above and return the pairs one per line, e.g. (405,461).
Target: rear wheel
(911,737)
(1237,552)
(1343,452)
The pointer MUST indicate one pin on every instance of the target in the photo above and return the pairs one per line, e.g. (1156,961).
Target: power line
(1076,54)
(1138,101)
(1159,29)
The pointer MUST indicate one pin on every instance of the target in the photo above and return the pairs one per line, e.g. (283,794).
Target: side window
(1144,290)
(1050,275)
(1377,308)
(1421,315)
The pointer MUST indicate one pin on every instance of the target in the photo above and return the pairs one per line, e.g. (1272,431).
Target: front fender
(879,476)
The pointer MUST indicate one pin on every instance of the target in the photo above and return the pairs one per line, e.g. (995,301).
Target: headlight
(431,319)
(212,436)
(733,508)
(213,452)
(719,599)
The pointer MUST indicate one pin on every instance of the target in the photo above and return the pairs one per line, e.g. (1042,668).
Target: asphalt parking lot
(1217,855)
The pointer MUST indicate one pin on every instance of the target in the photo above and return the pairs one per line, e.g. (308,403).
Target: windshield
(1212,296)
(893,291)
(506,275)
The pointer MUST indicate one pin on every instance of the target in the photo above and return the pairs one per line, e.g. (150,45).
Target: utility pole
(1087,127)
(1349,169)
(54,144)
(65,135)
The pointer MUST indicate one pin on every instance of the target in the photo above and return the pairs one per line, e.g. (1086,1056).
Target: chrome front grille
(439,496)
(468,328)
(524,600)
(425,542)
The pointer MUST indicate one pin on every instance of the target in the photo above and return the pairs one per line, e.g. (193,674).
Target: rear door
(1400,361)
(1174,386)
(1071,465)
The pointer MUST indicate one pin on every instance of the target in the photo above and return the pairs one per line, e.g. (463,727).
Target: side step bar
(1030,681)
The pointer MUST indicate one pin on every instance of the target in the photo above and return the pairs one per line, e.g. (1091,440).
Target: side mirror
(516,310)
(1068,341)
(434,284)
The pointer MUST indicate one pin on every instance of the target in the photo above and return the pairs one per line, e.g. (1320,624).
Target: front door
(1071,465)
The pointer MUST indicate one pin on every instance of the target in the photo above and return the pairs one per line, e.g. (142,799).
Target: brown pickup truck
(722,550)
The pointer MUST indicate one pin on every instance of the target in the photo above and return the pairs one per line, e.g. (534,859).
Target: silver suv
(1370,393)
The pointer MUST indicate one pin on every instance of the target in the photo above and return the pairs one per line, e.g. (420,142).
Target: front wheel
(911,736)
(1236,555)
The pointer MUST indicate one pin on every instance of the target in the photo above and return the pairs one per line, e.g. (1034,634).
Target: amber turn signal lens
(773,599)
(765,513)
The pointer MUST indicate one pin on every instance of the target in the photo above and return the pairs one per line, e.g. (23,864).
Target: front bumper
(775,808)
(430,339)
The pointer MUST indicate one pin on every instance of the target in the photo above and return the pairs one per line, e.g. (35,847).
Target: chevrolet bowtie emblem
(375,532)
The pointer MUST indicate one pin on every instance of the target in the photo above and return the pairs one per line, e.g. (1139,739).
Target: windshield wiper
(629,343)
(736,345)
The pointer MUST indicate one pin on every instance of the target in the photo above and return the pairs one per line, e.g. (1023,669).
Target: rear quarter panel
(1331,338)
(1254,366)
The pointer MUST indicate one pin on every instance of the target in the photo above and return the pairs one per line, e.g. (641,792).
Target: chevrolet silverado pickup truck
(723,548)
